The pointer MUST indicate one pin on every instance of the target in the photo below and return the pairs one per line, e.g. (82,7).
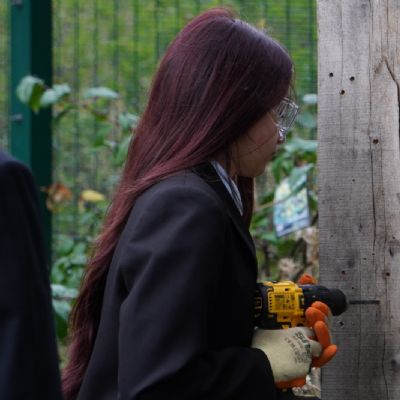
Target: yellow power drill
(280,305)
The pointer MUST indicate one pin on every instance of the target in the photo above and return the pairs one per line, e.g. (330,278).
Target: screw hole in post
(342,92)
(330,74)
(395,363)
(352,78)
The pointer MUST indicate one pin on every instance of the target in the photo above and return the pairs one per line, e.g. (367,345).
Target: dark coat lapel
(207,172)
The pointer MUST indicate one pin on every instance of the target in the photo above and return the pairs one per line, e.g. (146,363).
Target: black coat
(28,354)
(177,315)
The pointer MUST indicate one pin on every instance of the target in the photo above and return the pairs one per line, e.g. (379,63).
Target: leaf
(266,198)
(310,98)
(276,167)
(62,113)
(54,95)
(298,145)
(298,177)
(287,165)
(66,245)
(270,237)
(30,90)
(122,150)
(99,116)
(111,144)
(75,276)
(62,310)
(101,136)
(79,259)
(62,298)
(80,248)
(307,120)
(259,218)
(101,92)
(313,200)
(127,120)
(92,196)
(57,271)
(48,98)
(63,292)
(261,23)
(57,193)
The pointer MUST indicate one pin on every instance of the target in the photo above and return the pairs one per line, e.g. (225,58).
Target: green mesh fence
(118,44)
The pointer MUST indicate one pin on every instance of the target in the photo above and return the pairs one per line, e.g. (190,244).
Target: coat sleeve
(171,264)
(28,353)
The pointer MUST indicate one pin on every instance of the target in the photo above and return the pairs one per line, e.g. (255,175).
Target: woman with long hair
(166,305)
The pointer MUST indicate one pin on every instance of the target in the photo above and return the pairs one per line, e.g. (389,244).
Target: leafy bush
(295,160)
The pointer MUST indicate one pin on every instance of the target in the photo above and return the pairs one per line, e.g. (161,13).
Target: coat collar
(207,172)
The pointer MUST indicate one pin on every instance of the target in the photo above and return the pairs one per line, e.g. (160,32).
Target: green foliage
(72,256)
(30,91)
(96,101)
(54,95)
(72,250)
(62,301)
(100,92)
(295,159)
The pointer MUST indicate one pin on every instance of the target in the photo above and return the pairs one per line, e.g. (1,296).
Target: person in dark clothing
(166,305)
(28,354)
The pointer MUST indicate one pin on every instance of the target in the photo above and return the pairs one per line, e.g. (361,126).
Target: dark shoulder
(185,185)
(11,169)
(182,197)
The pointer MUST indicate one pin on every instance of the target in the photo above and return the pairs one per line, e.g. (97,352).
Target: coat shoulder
(11,168)
(185,184)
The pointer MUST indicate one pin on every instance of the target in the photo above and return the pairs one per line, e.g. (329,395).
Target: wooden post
(359,192)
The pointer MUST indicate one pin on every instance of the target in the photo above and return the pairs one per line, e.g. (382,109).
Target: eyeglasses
(286,112)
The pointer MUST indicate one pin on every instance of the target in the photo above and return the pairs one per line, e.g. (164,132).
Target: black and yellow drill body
(280,305)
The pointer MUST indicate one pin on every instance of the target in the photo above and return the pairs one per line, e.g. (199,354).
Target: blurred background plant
(289,256)
(115,125)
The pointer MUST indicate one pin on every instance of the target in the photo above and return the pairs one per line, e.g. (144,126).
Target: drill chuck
(333,298)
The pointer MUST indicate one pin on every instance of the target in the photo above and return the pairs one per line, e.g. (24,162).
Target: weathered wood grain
(359,191)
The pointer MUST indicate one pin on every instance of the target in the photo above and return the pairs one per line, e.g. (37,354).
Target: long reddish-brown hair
(216,79)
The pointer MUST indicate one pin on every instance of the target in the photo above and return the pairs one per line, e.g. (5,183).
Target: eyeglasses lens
(286,112)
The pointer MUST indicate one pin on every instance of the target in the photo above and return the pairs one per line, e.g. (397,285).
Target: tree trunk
(359,192)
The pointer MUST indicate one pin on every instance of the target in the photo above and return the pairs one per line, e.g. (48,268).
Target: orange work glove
(319,318)
(306,279)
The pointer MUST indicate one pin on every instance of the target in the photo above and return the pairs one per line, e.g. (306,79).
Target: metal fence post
(31,53)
